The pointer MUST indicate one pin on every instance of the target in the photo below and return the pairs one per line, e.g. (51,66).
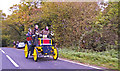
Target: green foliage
(103,33)
(68,19)
(79,25)
(108,59)
(16,25)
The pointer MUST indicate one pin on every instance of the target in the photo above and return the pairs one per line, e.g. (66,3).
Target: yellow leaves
(97,22)
(30,7)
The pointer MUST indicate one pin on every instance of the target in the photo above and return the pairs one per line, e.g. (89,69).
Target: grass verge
(107,59)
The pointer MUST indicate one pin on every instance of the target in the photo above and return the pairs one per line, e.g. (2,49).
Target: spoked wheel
(35,54)
(26,51)
(55,55)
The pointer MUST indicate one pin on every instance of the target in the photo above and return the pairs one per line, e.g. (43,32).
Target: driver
(35,35)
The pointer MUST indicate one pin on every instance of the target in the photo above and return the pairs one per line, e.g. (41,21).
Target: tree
(80,25)
(22,18)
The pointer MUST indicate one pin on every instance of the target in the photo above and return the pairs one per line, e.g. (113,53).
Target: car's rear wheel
(26,51)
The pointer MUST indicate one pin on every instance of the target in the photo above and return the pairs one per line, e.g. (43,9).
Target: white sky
(6,4)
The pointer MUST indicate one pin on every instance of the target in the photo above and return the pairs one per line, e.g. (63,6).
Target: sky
(6,4)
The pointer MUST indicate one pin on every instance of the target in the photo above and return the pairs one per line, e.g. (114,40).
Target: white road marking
(2,51)
(79,63)
(16,65)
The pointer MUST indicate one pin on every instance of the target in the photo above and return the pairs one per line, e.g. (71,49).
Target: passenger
(29,34)
(45,32)
(29,40)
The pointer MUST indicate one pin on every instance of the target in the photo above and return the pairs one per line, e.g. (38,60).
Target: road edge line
(79,63)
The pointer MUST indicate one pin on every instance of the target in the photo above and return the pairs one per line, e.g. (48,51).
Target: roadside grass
(107,59)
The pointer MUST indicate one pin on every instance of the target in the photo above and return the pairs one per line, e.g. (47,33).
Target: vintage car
(45,47)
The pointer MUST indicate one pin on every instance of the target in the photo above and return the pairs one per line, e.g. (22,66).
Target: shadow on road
(41,59)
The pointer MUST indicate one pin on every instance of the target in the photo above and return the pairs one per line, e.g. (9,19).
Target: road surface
(13,58)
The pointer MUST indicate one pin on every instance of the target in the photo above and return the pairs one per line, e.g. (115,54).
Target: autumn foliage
(76,25)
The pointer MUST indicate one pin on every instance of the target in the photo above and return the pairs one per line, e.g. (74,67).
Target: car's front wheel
(55,55)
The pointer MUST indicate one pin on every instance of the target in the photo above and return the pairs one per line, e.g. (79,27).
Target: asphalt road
(13,58)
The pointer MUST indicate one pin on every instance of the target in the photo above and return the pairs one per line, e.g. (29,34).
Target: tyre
(55,55)
(35,55)
(26,51)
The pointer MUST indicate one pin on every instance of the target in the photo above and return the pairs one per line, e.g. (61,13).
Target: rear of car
(43,42)
(20,45)
(46,45)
